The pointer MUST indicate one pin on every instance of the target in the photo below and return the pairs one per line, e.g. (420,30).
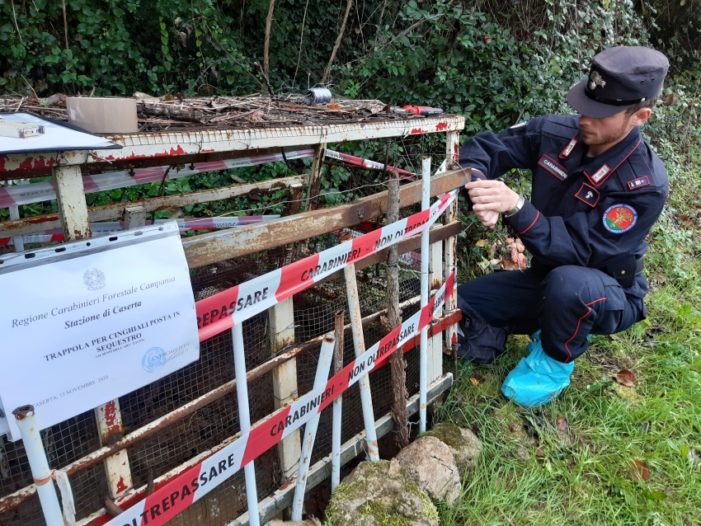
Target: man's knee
(571,285)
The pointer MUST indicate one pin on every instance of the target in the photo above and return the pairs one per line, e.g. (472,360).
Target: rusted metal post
(336,426)
(72,207)
(74,216)
(39,465)
(394,318)
(245,420)
(452,148)
(311,427)
(425,255)
(359,346)
(282,334)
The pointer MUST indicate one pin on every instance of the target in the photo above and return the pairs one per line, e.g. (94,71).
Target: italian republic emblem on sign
(619,218)
(94,279)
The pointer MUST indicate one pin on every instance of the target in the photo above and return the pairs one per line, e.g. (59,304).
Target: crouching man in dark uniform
(597,189)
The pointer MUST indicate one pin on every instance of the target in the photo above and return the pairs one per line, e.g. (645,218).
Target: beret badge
(595,79)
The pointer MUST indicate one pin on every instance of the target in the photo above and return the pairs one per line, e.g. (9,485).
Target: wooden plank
(225,244)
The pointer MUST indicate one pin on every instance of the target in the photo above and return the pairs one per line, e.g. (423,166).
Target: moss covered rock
(431,464)
(464,443)
(379,494)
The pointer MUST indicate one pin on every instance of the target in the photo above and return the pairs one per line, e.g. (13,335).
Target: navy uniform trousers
(567,304)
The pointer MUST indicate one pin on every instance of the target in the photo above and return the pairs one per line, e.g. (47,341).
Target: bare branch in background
(301,38)
(65,22)
(266,45)
(339,38)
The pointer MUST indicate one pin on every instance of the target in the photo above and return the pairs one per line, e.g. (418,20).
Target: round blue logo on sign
(153,359)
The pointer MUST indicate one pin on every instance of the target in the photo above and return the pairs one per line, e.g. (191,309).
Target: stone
(463,443)
(380,494)
(431,464)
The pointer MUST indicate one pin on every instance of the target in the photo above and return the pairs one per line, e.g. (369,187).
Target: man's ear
(641,116)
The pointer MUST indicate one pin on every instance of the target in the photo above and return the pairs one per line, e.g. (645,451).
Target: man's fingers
(486,207)
(488,218)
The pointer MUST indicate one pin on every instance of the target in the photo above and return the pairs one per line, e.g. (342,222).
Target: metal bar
(281,498)
(244,418)
(115,211)
(311,427)
(217,246)
(337,421)
(39,465)
(282,334)
(425,255)
(359,346)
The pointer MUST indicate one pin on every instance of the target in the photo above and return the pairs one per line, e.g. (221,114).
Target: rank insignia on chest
(600,174)
(619,218)
(588,194)
(640,182)
(551,166)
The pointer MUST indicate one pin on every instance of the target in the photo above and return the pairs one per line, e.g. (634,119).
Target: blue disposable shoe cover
(537,378)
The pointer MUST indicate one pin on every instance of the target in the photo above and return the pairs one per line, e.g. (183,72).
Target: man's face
(602,134)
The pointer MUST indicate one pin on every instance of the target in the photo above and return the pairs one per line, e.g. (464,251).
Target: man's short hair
(640,105)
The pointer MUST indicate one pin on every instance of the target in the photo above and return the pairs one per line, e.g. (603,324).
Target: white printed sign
(84,328)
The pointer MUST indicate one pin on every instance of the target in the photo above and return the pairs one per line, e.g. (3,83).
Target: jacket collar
(598,169)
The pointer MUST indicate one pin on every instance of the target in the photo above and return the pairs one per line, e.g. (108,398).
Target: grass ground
(603,453)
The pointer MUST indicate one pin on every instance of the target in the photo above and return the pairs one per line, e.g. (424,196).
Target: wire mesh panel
(217,421)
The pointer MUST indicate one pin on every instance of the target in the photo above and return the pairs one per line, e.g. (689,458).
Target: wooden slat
(227,244)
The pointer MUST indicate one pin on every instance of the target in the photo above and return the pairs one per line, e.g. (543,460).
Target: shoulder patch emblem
(640,182)
(619,218)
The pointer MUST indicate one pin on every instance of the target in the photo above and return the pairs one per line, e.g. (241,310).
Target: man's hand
(489,199)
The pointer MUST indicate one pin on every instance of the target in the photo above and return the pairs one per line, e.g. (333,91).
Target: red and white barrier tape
(23,194)
(364,163)
(181,492)
(221,311)
(184,224)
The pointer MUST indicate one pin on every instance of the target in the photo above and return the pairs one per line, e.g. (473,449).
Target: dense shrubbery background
(495,61)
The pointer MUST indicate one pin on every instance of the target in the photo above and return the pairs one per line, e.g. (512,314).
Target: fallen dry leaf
(474,381)
(625,377)
(640,470)
(563,430)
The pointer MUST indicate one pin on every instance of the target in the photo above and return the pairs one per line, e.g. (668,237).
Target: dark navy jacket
(583,211)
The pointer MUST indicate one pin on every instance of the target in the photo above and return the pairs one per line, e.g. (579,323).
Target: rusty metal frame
(141,148)
(145,149)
